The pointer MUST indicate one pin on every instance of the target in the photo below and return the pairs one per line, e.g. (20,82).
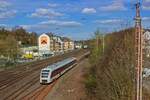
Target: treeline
(111,76)
(12,40)
(20,35)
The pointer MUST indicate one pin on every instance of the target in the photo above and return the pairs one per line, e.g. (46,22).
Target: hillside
(111,77)
(19,34)
(12,40)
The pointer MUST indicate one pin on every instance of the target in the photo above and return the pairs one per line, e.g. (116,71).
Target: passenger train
(55,70)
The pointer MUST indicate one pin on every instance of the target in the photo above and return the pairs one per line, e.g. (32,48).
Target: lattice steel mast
(138,52)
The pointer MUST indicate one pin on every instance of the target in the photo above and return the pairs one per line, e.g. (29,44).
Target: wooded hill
(19,34)
(10,41)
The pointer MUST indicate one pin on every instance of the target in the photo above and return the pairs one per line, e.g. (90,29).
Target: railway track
(12,78)
(28,65)
(6,83)
(23,88)
(22,72)
(40,92)
(34,94)
(37,93)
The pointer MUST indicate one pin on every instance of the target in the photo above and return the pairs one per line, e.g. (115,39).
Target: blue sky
(77,19)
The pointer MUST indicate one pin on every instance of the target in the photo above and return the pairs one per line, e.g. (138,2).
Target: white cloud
(146,0)
(53,23)
(146,18)
(4,5)
(6,11)
(53,5)
(117,5)
(146,5)
(45,13)
(62,23)
(109,21)
(88,11)
(36,27)
(7,14)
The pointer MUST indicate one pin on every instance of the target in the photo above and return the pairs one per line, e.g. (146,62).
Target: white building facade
(49,44)
(44,44)
(147,42)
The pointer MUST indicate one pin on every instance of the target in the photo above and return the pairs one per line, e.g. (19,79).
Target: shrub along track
(9,78)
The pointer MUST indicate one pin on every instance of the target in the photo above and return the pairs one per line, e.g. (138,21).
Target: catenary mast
(138,52)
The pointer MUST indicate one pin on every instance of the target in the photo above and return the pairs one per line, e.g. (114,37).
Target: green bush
(90,82)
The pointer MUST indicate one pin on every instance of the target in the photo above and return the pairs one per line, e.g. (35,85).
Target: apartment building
(51,44)
(68,44)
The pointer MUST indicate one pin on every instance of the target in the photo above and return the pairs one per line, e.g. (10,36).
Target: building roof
(145,30)
(65,39)
(58,38)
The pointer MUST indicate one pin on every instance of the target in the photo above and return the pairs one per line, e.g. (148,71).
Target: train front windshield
(45,73)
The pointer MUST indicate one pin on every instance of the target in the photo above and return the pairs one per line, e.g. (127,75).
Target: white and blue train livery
(55,70)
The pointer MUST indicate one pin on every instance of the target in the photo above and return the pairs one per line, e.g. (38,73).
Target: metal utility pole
(138,52)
